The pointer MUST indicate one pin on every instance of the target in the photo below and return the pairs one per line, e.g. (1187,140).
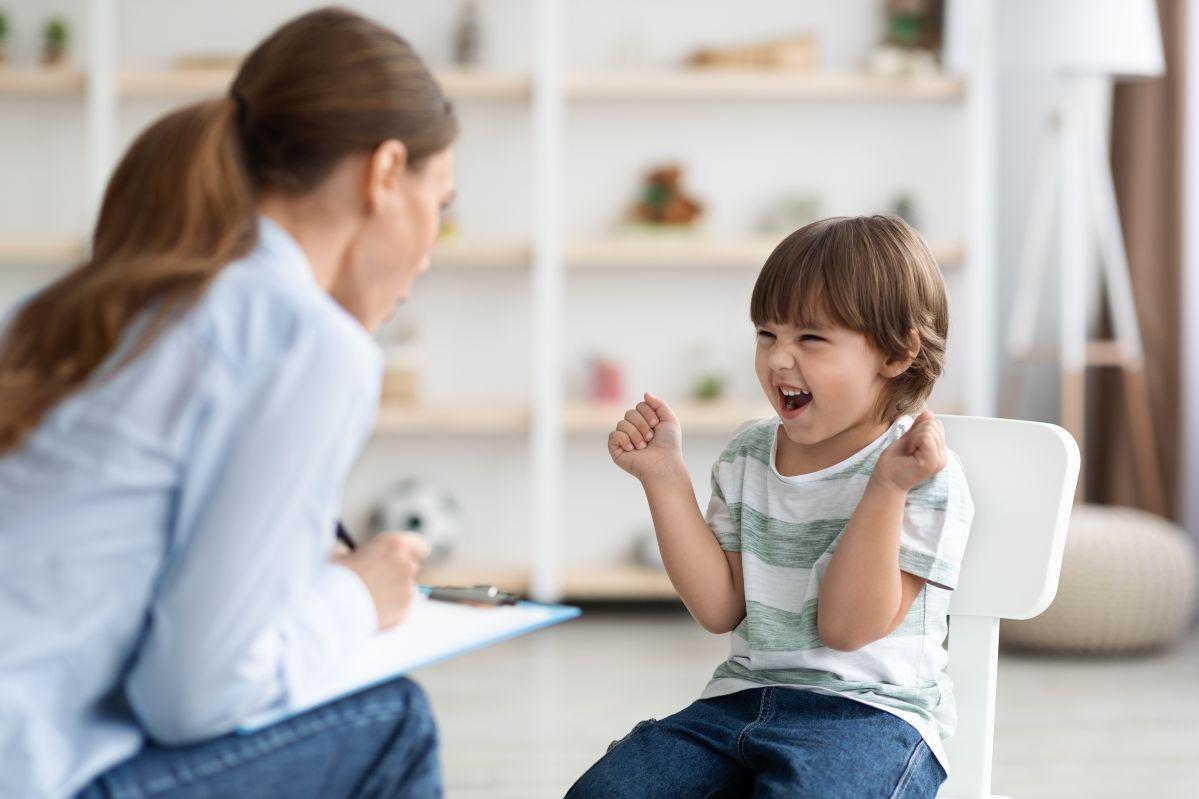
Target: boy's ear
(894,367)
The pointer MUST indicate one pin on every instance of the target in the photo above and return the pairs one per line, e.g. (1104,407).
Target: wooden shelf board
(603,583)
(622,582)
(416,419)
(458,84)
(748,84)
(40,250)
(682,250)
(481,253)
(514,579)
(41,82)
(716,417)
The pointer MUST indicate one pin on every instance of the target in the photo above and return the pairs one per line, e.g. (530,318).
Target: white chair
(1022,477)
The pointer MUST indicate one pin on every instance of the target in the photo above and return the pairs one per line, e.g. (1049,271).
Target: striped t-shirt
(786,529)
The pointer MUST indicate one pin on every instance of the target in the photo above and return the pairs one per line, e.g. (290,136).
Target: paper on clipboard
(433,631)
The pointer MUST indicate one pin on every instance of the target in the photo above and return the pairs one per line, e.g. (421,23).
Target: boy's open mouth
(793,399)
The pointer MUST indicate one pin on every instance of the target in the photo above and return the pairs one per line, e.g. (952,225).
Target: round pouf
(1127,585)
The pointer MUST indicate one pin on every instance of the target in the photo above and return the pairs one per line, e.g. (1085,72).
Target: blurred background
(623,170)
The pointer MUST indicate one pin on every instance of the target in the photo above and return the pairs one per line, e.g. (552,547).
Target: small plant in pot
(54,42)
(3,37)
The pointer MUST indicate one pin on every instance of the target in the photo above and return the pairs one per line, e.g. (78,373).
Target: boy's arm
(864,595)
(647,443)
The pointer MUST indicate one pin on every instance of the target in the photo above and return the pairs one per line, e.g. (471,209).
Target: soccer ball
(417,507)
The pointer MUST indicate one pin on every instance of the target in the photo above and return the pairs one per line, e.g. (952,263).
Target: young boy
(830,547)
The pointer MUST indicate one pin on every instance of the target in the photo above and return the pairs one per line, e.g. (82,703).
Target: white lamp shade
(1118,38)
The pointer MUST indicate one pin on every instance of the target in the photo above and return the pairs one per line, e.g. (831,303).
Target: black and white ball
(418,507)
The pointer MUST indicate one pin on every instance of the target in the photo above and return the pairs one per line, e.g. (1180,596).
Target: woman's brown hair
(870,274)
(181,203)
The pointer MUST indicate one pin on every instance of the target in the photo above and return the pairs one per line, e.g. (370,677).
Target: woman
(177,417)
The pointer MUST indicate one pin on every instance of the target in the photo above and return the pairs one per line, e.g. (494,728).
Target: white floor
(522,720)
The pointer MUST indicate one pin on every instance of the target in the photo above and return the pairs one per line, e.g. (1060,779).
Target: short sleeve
(720,518)
(936,525)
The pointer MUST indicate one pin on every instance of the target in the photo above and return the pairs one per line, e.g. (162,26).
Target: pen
(344,537)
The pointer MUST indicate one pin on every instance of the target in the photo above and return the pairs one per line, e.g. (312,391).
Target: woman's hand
(916,456)
(648,441)
(388,565)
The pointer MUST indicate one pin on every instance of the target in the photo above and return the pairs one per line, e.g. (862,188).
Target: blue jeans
(381,742)
(768,742)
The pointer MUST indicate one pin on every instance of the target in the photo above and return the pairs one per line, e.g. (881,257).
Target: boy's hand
(916,456)
(648,441)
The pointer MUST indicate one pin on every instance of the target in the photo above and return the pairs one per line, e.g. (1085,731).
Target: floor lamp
(1088,44)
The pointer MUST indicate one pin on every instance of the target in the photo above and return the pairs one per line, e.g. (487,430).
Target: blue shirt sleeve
(248,609)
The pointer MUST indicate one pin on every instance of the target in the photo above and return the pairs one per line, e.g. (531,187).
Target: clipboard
(434,631)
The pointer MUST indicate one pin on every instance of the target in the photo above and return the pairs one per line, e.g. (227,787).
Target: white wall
(474,323)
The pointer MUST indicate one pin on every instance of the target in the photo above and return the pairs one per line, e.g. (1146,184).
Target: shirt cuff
(346,595)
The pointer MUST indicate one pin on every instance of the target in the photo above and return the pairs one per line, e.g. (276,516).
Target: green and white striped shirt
(786,529)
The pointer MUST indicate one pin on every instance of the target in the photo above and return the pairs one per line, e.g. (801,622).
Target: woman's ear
(894,367)
(384,169)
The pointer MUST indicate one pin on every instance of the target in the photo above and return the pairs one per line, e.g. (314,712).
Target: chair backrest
(1022,477)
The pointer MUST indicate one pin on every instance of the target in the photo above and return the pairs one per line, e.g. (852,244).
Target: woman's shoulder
(250,316)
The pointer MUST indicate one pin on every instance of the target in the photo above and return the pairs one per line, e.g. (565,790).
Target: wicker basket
(1127,585)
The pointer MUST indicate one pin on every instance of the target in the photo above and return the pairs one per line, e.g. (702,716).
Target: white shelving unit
(546,254)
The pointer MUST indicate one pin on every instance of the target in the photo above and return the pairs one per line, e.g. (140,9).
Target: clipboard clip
(473,595)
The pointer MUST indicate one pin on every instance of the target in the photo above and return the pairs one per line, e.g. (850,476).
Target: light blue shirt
(165,532)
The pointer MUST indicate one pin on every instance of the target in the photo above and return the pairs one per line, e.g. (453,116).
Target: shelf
(456,252)
(605,583)
(43,82)
(624,582)
(430,420)
(716,417)
(40,251)
(513,580)
(458,84)
(687,250)
(730,84)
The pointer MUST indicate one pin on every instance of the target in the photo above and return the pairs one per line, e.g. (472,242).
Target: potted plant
(54,41)
(3,37)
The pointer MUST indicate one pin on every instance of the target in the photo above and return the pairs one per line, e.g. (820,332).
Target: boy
(831,543)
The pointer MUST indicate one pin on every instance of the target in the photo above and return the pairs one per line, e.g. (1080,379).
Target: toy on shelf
(664,204)
(55,37)
(904,207)
(799,52)
(913,40)
(413,506)
(3,37)
(791,212)
(710,387)
(605,381)
(468,36)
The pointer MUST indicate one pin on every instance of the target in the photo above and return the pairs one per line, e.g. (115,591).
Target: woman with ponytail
(177,417)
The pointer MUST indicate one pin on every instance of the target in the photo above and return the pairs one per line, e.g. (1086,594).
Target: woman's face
(392,245)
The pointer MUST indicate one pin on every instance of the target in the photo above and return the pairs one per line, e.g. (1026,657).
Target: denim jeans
(381,742)
(768,742)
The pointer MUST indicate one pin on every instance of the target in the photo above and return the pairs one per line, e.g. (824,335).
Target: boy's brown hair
(870,274)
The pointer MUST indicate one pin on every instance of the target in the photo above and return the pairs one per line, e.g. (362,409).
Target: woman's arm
(249,608)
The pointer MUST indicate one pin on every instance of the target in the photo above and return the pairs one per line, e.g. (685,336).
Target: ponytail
(177,209)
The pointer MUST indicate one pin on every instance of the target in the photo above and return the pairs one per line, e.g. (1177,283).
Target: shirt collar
(280,249)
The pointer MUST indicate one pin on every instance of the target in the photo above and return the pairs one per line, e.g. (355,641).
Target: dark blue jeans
(768,742)
(381,742)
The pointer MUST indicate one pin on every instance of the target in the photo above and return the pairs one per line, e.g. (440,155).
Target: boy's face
(833,374)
